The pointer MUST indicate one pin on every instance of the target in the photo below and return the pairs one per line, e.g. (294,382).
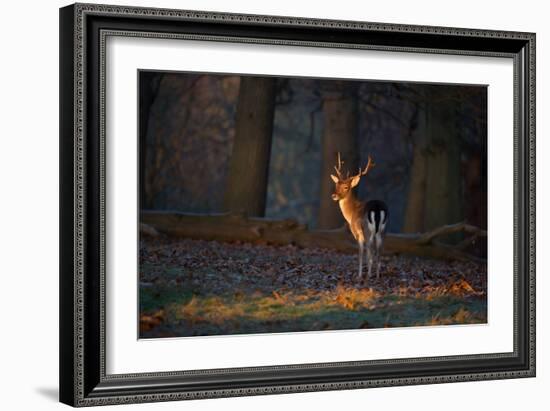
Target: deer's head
(343,185)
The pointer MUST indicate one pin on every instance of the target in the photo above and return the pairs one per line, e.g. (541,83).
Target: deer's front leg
(357,231)
(361,244)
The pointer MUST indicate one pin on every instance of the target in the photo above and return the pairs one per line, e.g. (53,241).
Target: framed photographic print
(262,204)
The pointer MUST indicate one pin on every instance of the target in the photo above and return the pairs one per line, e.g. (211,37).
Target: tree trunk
(443,179)
(246,188)
(414,212)
(339,135)
(149,84)
(435,188)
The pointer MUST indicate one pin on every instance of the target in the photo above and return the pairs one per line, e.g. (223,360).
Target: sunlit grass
(284,311)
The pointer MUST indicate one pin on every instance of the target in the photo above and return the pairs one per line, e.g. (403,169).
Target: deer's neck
(351,207)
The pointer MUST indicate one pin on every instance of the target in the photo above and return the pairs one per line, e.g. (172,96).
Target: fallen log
(147,230)
(230,227)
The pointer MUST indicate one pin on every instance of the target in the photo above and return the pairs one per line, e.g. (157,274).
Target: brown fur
(352,209)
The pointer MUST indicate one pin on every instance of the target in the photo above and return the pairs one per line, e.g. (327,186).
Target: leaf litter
(196,287)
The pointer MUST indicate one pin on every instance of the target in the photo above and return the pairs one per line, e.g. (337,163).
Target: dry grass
(342,308)
(352,298)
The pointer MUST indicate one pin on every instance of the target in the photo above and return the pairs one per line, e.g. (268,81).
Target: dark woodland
(238,230)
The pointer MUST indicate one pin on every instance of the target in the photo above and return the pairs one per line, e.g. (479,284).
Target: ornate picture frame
(84,29)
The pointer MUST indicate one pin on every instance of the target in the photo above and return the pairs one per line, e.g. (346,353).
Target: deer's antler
(338,167)
(370,164)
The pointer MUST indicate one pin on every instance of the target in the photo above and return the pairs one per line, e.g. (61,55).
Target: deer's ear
(334,178)
(355,180)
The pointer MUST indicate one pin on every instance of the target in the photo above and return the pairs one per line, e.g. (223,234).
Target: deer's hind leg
(378,247)
(370,254)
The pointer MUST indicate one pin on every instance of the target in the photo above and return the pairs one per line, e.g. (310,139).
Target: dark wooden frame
(83,29)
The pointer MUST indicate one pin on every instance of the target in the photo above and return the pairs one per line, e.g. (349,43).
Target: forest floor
(193,287)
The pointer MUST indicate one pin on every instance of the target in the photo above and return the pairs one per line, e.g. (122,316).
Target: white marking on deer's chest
(347,212)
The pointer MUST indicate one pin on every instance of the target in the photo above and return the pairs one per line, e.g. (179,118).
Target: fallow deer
(366,220)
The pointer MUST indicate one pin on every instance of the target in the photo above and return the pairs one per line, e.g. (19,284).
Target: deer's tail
(376,213)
